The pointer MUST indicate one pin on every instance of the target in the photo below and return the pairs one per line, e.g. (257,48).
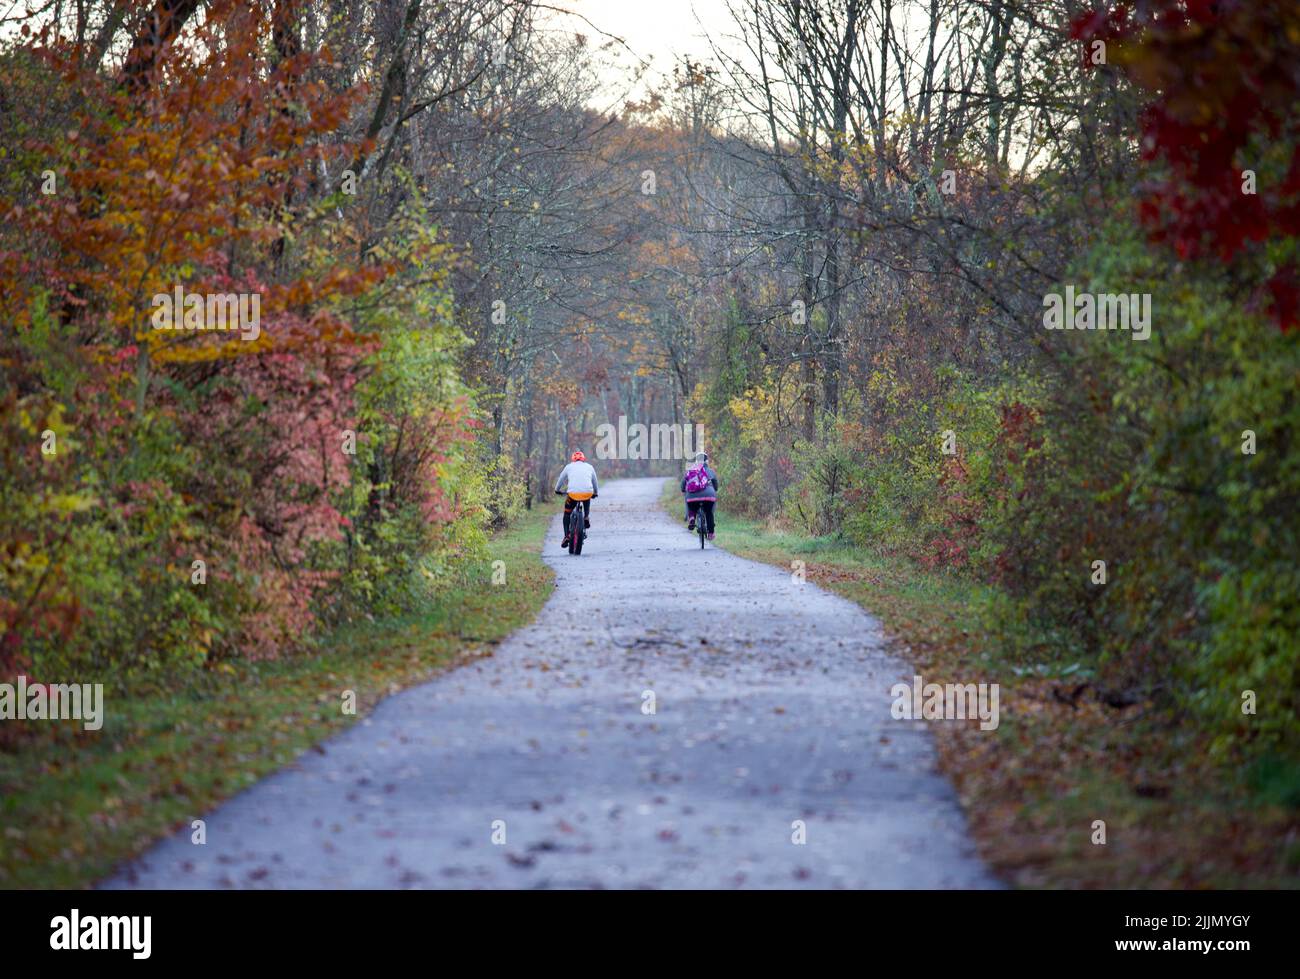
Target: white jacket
(577,477)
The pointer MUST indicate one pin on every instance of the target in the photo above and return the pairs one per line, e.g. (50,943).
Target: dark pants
(693,507)
(569,505)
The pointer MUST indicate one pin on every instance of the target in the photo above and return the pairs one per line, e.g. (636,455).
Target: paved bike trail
(771,723)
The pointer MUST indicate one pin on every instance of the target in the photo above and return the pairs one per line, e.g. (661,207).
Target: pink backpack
(697,479)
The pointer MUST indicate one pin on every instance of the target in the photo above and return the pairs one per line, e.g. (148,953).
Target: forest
(1001,294)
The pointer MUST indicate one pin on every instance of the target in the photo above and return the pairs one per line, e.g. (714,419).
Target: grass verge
(1060,759)
(74,803)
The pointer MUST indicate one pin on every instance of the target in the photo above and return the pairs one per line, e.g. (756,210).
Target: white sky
(657,31)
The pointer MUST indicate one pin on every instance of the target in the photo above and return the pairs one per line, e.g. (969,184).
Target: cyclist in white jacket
(577,484)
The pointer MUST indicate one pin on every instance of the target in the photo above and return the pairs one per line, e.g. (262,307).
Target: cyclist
(577,484)
(700,486)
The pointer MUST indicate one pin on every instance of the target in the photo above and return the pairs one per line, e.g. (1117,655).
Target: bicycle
(577,528)
(701,522)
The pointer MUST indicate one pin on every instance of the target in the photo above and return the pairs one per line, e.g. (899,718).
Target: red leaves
(1099,23)
(1223,83)
(961,512)
(1018,430)
(1093,25)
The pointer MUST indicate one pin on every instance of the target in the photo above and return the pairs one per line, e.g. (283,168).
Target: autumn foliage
(172,497)
(1130,504)
(1222,90)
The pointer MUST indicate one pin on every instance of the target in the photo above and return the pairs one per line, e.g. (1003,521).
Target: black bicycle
(577,528)
(699,518)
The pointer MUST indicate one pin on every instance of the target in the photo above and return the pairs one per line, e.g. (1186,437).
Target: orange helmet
(578,457)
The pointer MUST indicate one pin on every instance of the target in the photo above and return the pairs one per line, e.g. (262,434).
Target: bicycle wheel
(579,533)
(699,526)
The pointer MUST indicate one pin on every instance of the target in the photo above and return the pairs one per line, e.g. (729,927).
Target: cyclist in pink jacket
(700,486)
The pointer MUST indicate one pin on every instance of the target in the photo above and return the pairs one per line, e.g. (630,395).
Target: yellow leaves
(52,421)
(742,409)
(203,353)
(68,503)
(22,557)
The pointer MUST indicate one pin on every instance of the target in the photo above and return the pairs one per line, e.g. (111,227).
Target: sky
(657,31)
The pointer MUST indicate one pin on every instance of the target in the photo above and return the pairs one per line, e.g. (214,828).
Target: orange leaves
(179,181)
